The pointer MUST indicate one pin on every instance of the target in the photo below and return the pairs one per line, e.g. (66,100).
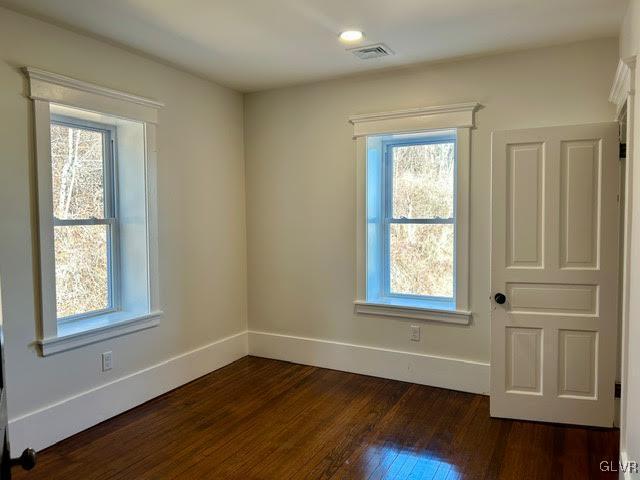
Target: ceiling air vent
(371,51)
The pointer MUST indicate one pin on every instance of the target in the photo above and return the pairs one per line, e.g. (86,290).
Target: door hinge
(623,151)
(618,390)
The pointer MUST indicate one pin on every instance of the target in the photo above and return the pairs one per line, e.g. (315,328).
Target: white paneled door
(554,282)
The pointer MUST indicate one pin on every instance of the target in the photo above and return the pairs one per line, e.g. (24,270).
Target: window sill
(82,332)
(459,317)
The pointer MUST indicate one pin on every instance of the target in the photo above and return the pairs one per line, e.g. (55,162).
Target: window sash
(428,221)
(110,212)
(60,222)
(108,156)
(388,219)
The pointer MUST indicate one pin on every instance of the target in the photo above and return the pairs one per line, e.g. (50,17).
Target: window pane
(82,278)
(78,176)
(421,259)
(423,180)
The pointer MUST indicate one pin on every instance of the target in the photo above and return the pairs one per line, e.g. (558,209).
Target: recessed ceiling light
(350,36)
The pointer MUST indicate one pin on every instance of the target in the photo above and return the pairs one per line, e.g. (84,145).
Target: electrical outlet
(415,333)
(107,361)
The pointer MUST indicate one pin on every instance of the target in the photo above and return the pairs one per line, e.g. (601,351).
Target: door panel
(554,254)
(579,200)
(551,298)
(524,360)
(577,367)
(525,189)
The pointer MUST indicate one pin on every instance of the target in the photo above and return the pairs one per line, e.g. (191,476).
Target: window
(412,213)
(85,217)
(412,178)
(95,158)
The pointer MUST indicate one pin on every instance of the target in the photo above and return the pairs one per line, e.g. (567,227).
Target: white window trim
(458,116)
(46,88)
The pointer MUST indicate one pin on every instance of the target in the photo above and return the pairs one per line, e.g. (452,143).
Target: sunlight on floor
(397,462)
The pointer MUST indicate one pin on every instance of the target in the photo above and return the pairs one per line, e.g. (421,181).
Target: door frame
(622,94)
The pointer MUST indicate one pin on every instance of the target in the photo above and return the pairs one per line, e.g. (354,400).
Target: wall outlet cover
(107,361)
(415,333)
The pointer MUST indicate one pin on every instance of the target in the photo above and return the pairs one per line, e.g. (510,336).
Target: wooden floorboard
(266,419)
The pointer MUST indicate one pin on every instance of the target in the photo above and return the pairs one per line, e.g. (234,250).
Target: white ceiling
(258,44)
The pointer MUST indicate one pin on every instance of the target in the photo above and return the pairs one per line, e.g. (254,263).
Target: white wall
(630,430)
(201,213)
(300,162)
(630,30)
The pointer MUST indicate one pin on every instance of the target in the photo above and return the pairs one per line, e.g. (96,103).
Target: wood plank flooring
(265,419)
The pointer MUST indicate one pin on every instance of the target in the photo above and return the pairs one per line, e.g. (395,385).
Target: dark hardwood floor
(265,419)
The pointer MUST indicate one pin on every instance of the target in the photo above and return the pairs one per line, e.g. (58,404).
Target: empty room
(319,239)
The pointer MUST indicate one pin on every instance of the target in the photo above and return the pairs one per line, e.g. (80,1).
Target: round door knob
(500,298)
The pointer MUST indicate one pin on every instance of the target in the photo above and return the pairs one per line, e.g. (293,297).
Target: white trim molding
(52,423)
(623,92)
(86,332)
(424,369)
(135,117)
(627,469)
(457,115)
(48,425)
(622,87)
(56,88)
(460,317)
(460,117)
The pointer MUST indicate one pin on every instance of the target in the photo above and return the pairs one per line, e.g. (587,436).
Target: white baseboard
(451,373)
(44,427)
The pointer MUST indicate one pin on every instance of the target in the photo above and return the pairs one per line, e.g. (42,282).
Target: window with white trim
(411,219)
(97,214)
(413,213)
